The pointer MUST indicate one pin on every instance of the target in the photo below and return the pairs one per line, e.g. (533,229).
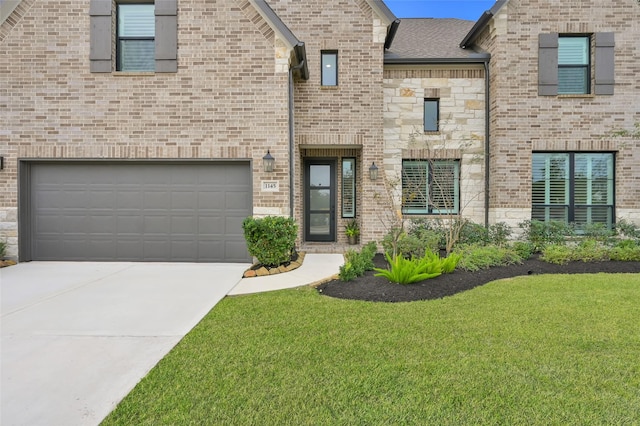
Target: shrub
(412,244)
(472,233)
(626,252)
(499,233)
(590,250)
(476,257)
(541,234)
(408,271)
(357,263)
(598,232)
(270,239)
(559,254)
(524,249)
(3,249)
(430,231)
(628,230)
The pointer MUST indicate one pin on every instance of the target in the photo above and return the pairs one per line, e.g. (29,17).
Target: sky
(462,9)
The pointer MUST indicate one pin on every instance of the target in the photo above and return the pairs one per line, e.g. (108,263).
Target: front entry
(320,200)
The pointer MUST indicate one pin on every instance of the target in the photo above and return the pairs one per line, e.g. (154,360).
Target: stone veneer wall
(229,98)
(462,125)
(523,122)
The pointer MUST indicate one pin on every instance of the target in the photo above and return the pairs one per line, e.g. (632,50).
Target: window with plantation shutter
(349,187)
(573,188)
(430,186)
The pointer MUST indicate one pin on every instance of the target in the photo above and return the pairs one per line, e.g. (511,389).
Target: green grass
(546,350)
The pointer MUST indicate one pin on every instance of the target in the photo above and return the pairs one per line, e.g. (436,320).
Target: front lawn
(556,349)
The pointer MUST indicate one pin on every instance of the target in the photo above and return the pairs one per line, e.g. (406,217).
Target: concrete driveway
(77,337)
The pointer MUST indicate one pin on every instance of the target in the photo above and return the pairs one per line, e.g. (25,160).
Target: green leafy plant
(559,254)
(352,229)
(472,233)
(541,233)
(270,239)
(356,263)
(449,263)
(408,271)
(477,257)
(625,251)
(628,230)
(524,249)
(590,250)
(3,249)
(499,233)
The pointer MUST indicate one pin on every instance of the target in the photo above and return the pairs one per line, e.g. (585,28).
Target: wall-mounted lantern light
(373,171)
(1,163)
(268,162)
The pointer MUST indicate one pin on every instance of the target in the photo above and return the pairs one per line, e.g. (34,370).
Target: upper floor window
(146,36)
(574,71)
(329,70)
(431,114)
(136,37)
(576,64)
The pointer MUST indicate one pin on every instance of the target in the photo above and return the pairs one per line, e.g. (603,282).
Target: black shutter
(548,64)
(605,63)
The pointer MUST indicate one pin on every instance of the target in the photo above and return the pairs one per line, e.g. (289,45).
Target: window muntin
(573,188)
(136,37)
(349,187)
(431,114)
(574,75)
(329,68)
(430,186)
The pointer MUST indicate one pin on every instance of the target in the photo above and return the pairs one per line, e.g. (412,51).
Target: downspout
(486,142)
(292,138)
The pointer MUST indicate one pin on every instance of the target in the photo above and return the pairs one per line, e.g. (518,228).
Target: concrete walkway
(77,337)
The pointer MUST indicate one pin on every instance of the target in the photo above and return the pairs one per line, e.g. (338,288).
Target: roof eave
(478,58)
(285,34)
(477,28)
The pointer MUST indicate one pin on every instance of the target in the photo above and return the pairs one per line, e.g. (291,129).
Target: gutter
(474,58)
(302,67)
(391,33)
(487,149)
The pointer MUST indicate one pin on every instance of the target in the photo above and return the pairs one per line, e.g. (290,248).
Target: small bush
(541,234)
(626,252)
(598,232)
(270,239)
(559,254)
(590,250)
(472,233)
(628,230)
(475,257)
(431,232)
(3,249)
(524,249)
(408,271)
(412,244)
(356,264)
(499,233)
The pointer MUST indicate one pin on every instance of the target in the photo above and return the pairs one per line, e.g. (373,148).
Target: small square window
(329,71)
(431,114)
(136,37)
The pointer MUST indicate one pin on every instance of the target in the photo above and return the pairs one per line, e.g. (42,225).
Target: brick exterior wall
(523,122)
(229,98)
(331,122)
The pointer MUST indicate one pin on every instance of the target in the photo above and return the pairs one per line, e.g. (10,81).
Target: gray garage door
(188,212)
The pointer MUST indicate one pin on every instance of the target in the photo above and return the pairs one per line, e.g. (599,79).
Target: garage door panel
(139,212)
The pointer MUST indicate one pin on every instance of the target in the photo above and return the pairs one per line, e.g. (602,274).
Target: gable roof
(286,35)
(431,40)
(481,23)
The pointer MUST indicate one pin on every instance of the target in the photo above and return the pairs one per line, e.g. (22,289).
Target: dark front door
(320,200)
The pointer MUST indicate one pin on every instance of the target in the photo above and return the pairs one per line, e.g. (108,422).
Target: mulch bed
(378,289)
